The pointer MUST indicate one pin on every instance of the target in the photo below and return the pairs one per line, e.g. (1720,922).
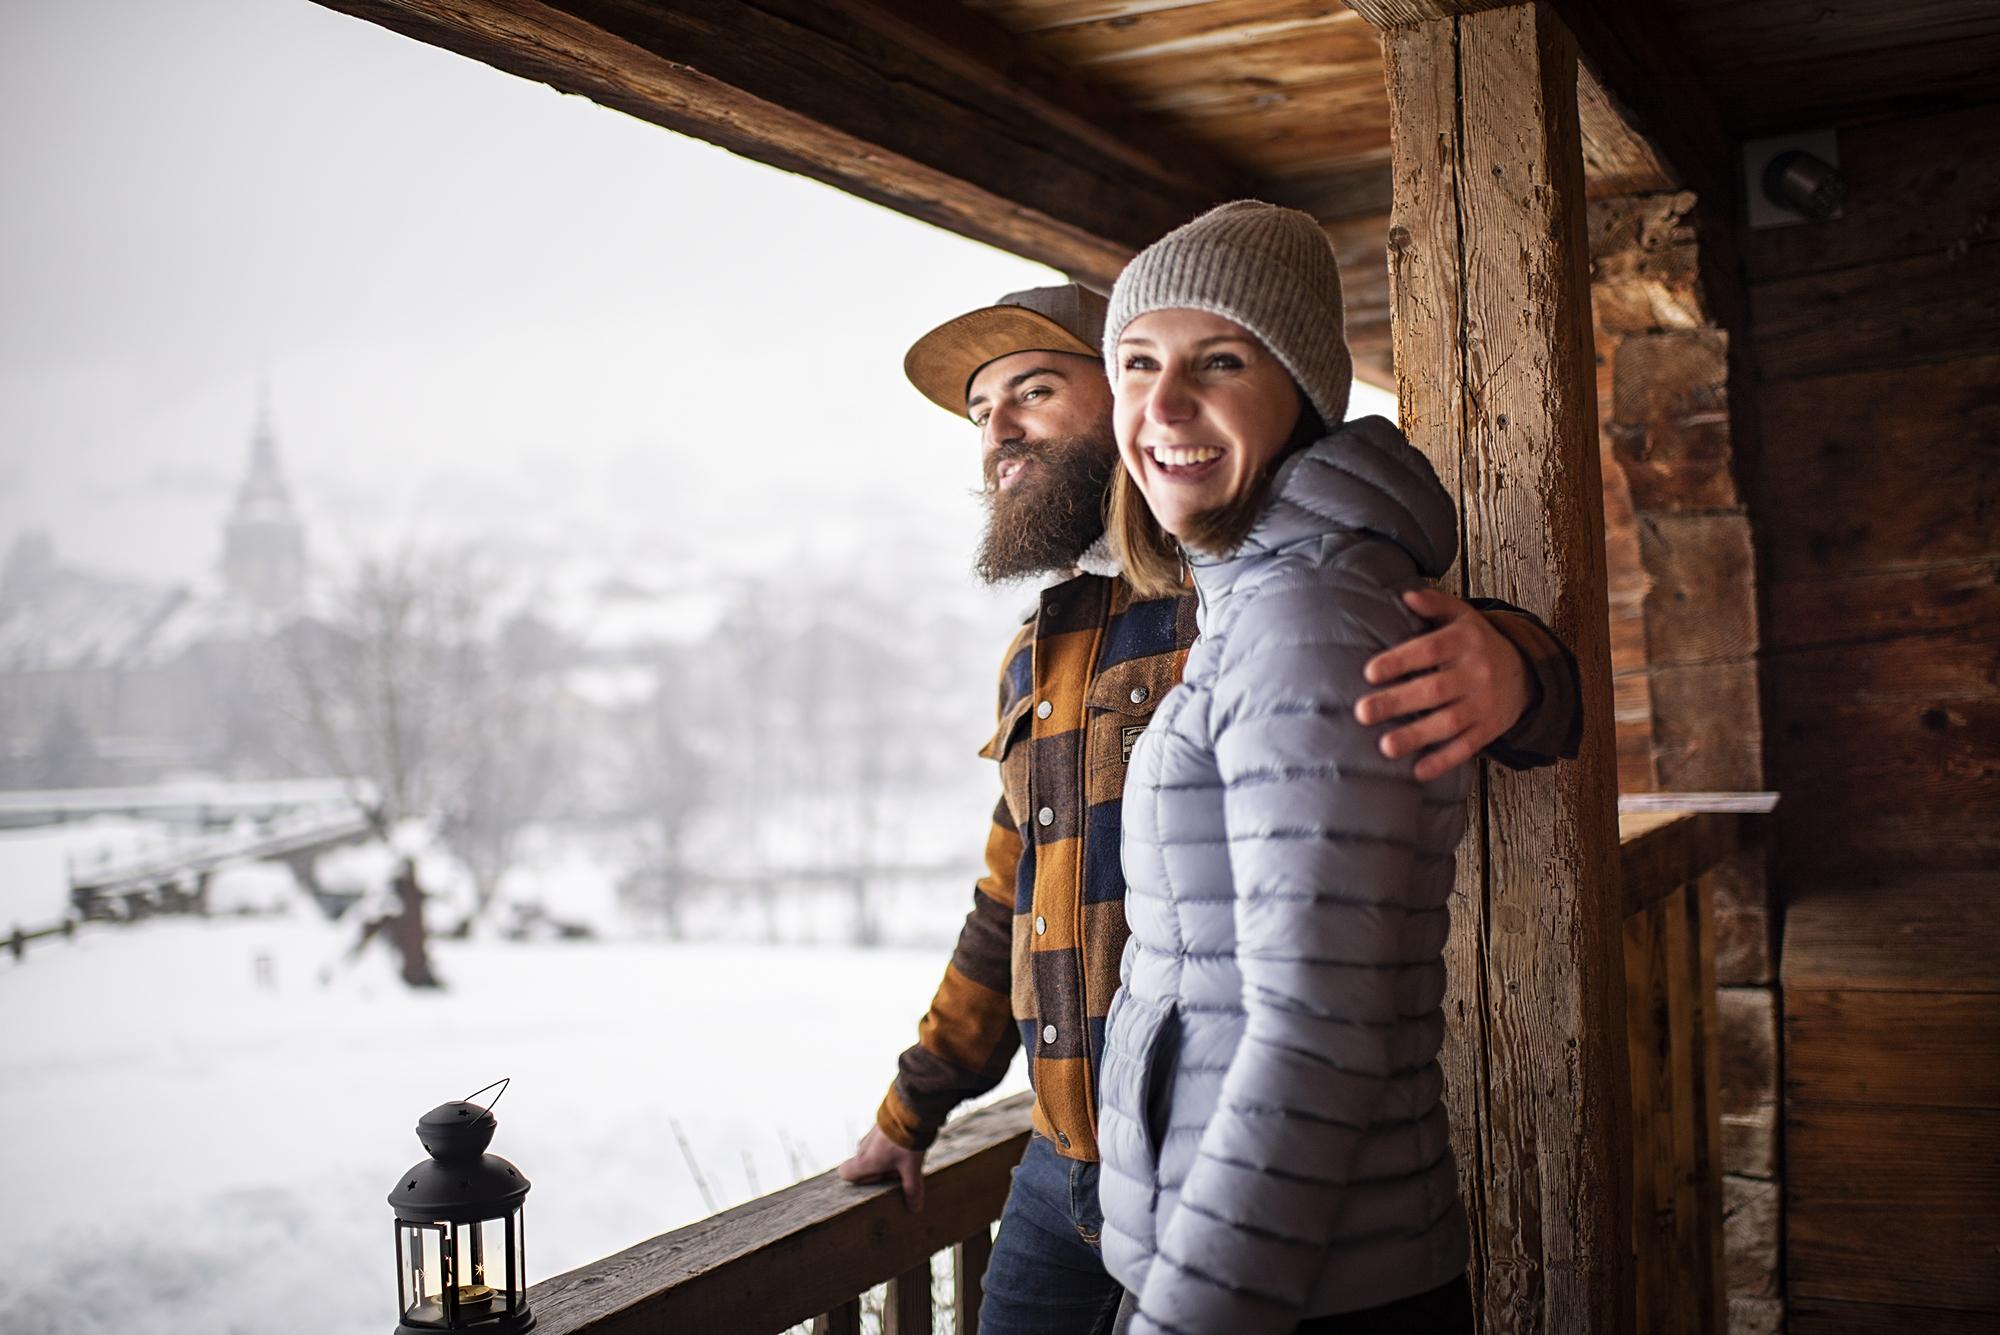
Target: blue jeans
(1047,1276)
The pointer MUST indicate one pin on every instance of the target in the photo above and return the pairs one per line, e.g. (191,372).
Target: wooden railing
(1671,1032)
(807,1253)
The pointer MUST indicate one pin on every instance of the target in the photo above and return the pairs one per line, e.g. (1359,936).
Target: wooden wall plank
(1823,1316)
(1918,931)
(1954,598)
(1938,1049)
(1879,469)
(1498,385)
(1926,308)
(1911,190)
(1884,785)
(1894,1205)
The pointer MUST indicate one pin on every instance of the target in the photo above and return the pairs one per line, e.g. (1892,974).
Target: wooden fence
(808,1252)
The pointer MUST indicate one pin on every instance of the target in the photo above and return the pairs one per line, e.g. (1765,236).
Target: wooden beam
(1493,358)
(1647,118)
(925,107)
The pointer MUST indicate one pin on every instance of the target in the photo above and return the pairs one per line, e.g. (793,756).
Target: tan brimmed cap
(942,363)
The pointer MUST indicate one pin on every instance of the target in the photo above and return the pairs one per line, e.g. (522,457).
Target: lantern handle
(502,1083)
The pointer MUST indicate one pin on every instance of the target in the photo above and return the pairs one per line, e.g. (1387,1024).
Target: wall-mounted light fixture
(1792,179)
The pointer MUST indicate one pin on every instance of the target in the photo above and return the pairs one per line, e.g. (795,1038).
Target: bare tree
(398,691)
(669,780)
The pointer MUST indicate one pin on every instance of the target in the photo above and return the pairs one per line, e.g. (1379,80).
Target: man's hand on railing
(880,1159)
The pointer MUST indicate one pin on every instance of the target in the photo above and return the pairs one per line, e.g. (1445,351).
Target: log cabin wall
(1675,425)
(1876,494)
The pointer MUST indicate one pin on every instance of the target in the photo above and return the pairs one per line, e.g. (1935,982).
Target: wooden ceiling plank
(1325,56)
(864,95)
(1217,26)
(1036,15)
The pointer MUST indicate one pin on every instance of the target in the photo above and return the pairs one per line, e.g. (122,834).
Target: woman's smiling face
(1201,409)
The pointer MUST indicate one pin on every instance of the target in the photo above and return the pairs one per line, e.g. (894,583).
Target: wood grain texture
(968,1273)
(1498,382)
(1871,470)
(1752,1236)
(1951,601)
(1928,308)
(1702,606)
(1661,852)
(1878,778)
(1671,1032)
(1824,1316)
(1646,101)
(897,104)
(1914,931)
(1424,279)
(906,1309)
(796,1253)
(1708,729)
(1893,1205)
(1935,1049)
(1617,160)
(1669,420)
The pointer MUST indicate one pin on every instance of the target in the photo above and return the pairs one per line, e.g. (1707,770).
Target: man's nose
(1002,427)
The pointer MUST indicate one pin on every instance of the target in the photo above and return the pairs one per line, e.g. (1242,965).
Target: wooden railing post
(1496,382)
(907,1310)
(968,1268)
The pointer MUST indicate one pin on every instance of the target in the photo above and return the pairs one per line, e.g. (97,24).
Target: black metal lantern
(461,1261)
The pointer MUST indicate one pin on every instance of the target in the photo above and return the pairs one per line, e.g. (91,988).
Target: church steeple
(264,554)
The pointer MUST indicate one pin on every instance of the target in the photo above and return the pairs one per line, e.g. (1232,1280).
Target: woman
(1276,1152)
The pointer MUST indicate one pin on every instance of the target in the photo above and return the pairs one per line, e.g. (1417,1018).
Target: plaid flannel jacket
(1037,959)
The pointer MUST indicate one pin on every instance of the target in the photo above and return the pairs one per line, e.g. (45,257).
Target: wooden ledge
(1662,851)
(789,1256)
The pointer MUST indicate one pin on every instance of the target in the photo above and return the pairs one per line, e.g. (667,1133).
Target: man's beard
(1047,520)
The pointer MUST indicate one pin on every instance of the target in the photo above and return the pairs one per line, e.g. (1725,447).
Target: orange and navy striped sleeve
(968,1037)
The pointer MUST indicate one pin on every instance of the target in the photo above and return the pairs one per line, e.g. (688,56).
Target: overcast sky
(479,304)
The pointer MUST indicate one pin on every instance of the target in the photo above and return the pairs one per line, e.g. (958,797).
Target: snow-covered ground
(200,1120)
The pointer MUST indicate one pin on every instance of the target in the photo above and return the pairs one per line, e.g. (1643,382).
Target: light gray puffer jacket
(1273,1124)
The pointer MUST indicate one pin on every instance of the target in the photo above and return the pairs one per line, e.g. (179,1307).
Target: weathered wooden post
(1494,369)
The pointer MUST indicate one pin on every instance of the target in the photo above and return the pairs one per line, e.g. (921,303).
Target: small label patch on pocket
(1127,739)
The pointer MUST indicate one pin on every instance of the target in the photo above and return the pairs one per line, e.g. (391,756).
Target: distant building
(264,546)
(107,679)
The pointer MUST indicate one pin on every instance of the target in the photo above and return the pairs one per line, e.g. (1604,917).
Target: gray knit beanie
(1270,270)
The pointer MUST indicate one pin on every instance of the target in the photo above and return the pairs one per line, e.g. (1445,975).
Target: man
(1037,960)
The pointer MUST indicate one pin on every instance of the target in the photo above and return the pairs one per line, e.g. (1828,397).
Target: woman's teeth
(1181,456)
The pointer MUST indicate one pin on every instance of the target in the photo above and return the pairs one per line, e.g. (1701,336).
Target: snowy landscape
(207,1115)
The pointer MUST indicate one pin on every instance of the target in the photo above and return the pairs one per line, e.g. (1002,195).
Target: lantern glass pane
(485,1285)
(420,1254)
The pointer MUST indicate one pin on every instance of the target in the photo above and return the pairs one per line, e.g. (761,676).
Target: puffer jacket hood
(1366,478)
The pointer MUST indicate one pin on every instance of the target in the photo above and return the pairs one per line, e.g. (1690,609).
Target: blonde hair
(1150,555)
